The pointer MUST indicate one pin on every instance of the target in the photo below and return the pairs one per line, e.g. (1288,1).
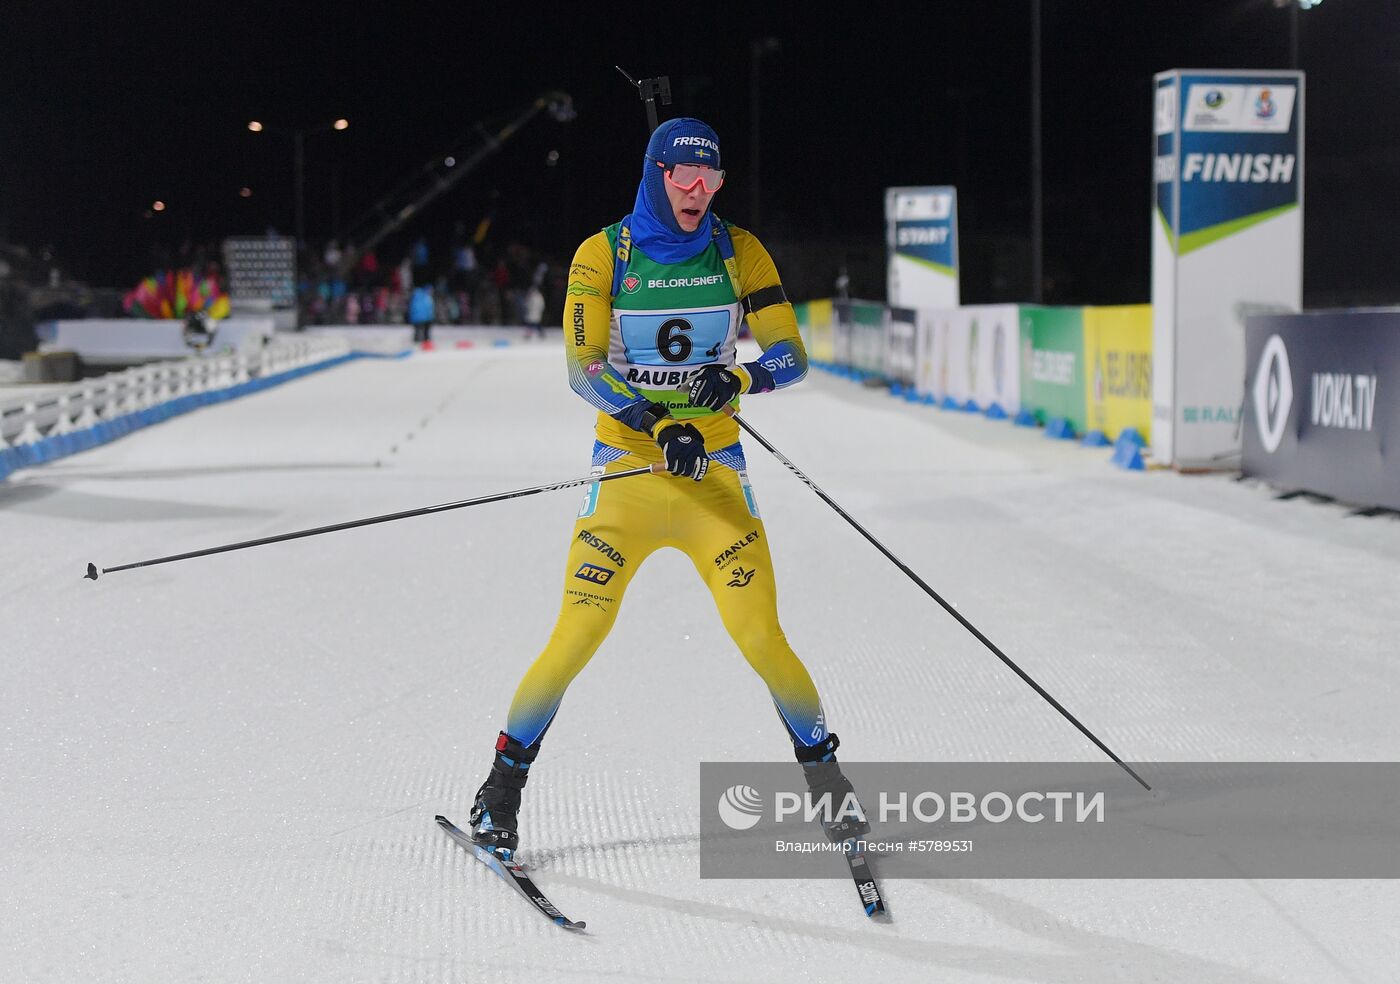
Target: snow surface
(226,769)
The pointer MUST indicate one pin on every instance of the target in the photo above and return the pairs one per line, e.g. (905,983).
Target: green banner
(867,320)
(1052,370)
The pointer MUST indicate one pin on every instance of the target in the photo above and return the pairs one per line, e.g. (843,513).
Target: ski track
(226,769)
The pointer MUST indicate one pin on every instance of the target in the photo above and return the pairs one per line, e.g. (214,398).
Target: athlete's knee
(566,653)
(759,636)
(767,650)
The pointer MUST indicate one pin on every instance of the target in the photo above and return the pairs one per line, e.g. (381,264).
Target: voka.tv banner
(1227,242)
(1323,406)
(921,231)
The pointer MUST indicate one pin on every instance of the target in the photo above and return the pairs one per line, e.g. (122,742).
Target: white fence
(62,421)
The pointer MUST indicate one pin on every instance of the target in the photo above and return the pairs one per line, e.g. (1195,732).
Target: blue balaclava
(654,227)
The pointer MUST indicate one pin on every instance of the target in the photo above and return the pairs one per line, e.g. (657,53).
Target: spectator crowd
(464,283)
(467,284)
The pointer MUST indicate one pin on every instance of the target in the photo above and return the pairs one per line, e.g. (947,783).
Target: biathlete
(652,312)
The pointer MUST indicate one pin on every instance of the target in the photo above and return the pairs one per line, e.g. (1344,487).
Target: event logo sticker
(1233,108)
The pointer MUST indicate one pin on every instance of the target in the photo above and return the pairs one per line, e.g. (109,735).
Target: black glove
(684,449)
(713,387)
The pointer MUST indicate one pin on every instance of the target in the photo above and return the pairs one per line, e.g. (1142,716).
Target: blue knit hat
(679,141)
(684,141)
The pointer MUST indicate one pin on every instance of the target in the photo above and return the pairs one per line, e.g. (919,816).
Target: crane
(443,172)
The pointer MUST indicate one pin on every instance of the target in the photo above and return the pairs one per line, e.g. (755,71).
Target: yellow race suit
(634,332)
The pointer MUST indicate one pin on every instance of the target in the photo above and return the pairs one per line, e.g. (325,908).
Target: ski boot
(493,821)
(824,778)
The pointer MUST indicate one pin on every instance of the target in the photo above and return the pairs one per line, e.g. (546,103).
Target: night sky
(101,113)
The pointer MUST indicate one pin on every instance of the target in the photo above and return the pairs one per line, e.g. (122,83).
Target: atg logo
(1273,393)
(594,574)
(740,807)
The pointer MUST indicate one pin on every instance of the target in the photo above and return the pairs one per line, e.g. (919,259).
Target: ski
(510,872)
(864,878)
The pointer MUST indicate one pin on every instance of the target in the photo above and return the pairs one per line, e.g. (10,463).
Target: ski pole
(933,594)
(656,469)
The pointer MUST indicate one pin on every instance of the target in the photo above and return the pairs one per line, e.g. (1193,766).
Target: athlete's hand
(684,449)
(713,387)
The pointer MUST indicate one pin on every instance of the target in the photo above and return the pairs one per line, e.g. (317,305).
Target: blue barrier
(1128,456)
(1127,450)
(1130,435)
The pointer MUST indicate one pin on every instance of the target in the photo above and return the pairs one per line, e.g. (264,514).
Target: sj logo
(741,577)
(631,282)
(594,574)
